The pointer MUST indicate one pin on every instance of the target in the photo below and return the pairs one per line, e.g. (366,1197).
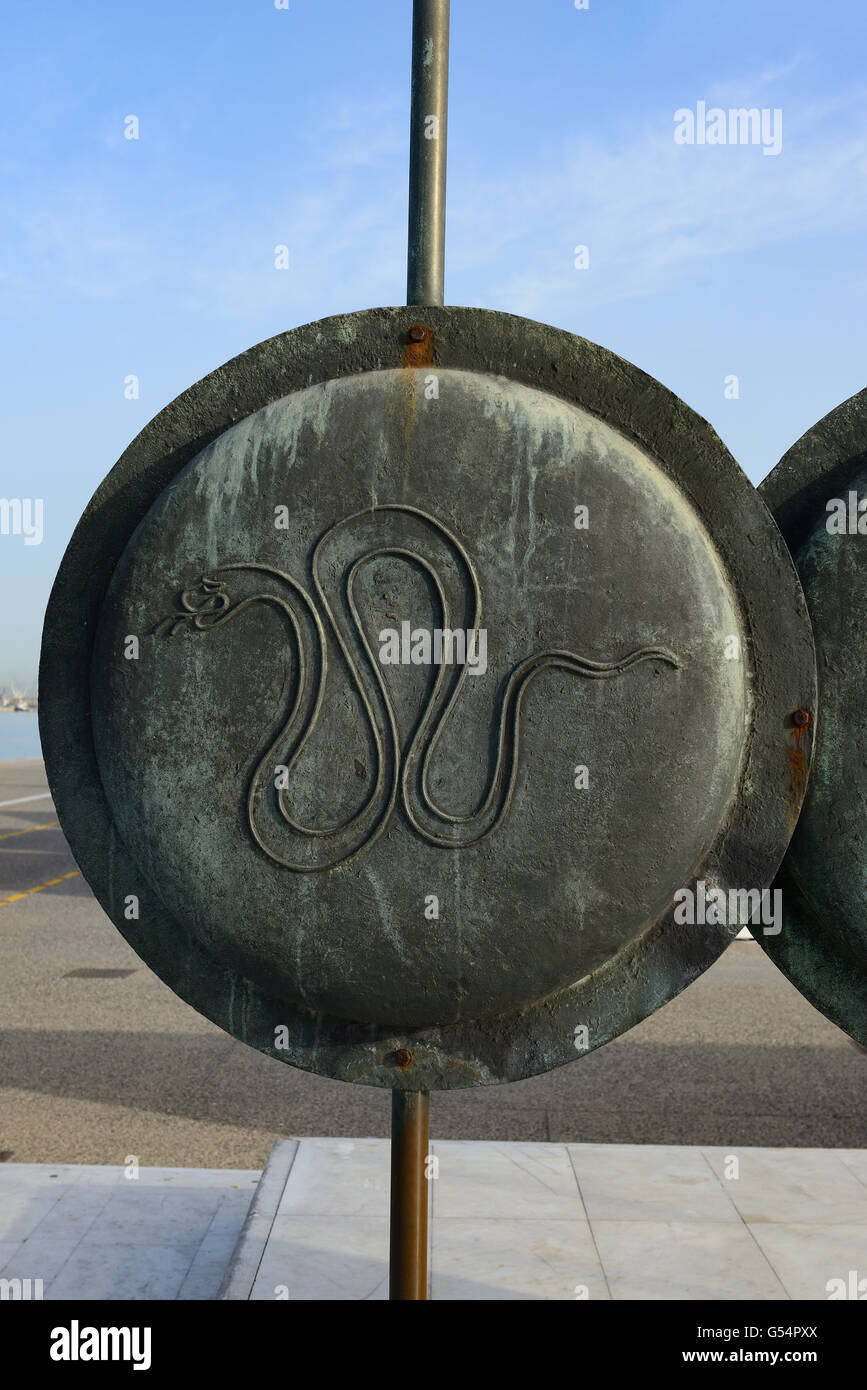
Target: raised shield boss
(464,655)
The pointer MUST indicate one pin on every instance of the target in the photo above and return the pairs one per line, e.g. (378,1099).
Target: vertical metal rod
(407,1270)
(410,1110)
(427,152)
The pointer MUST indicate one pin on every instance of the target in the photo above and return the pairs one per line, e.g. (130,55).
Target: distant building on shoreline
(16,703)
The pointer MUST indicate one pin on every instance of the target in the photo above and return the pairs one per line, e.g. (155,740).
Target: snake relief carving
(402,771)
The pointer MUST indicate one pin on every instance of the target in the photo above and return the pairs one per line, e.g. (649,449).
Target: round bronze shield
(408,691)
(818,493)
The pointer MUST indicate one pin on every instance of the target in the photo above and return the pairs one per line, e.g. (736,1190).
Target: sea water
(19,737)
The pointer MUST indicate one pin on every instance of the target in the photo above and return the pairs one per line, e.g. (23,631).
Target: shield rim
(753,837)
(817,466)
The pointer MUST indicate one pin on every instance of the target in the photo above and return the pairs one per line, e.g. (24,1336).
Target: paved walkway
(561,1221)
(519,1221)
(95,1233)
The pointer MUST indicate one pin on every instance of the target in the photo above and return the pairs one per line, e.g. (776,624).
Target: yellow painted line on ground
(16,897)
(10,834)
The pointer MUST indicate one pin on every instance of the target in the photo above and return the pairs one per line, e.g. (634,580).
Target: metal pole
(410,1110)
(407,1270)
(427,152)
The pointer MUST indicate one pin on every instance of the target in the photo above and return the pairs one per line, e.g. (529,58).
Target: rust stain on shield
(798,747)
(418,353)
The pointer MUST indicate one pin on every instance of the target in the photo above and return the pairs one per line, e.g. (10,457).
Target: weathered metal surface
(815,493)
(389,872)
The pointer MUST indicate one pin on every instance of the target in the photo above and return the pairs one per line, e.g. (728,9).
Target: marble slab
(540,1221)
(519,1221)
(95,1233)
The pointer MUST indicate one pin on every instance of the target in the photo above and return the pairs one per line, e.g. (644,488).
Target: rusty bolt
(417,333)
(801,718)
(403,1057)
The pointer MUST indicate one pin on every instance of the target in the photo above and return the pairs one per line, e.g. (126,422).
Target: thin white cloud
(650,211)
(746,90)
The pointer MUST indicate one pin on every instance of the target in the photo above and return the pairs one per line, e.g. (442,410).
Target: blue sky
(259,126)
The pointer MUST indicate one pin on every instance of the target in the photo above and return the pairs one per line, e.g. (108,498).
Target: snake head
(202,606)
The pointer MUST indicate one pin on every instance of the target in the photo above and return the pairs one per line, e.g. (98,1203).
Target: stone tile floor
(94,1233)
(563,1221)
(515,1221)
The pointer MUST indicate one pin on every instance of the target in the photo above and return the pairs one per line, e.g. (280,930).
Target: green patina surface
(555,913)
